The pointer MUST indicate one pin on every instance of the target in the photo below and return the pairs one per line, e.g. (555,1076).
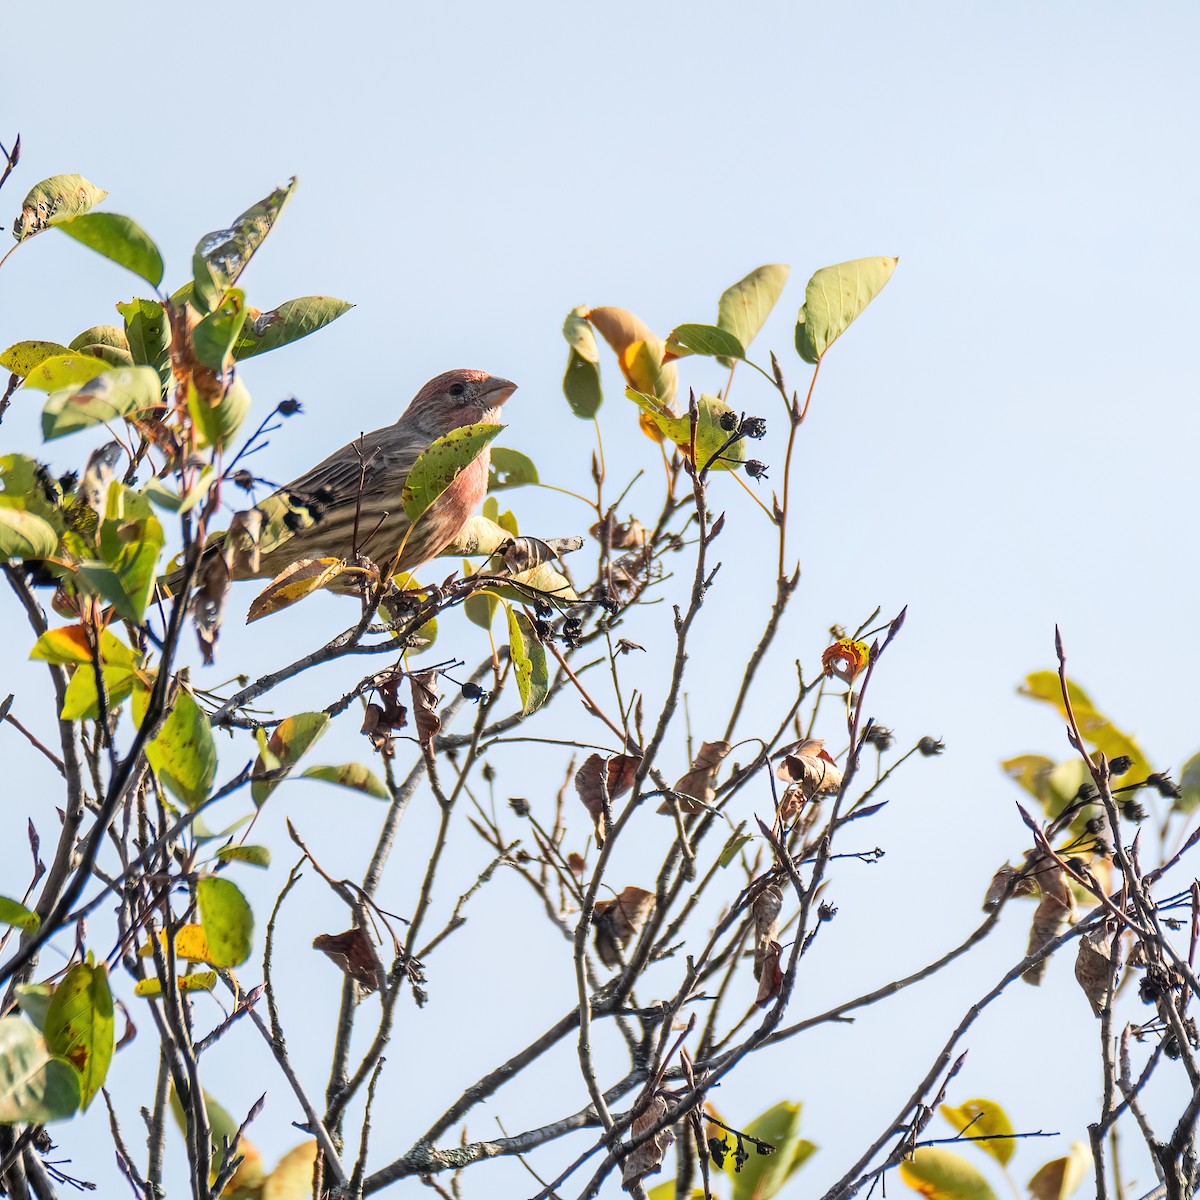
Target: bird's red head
(457,398)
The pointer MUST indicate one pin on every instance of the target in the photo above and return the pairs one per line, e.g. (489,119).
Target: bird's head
(458,398)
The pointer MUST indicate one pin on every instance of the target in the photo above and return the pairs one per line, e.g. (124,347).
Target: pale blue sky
(1003,442)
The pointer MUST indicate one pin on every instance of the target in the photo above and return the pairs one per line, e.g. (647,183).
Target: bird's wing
(381,459)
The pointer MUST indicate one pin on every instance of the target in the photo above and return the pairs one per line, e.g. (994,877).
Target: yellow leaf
(983,1119)
(1057,1179)
(201,981)
(190,944)
(944,1175)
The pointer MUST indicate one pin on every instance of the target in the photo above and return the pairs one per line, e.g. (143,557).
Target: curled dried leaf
(1093,965)
(353,953)
(647,1158)
(425,701)
(770,974)
(598,774)
(1055,911)
(617,922)
(811,768)
(208,604)
(765,913)
(697,789)
(614,535)
(242,541)
(1003,879)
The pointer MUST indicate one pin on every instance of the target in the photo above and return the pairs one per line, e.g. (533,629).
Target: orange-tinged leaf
(845,659)
(301,579)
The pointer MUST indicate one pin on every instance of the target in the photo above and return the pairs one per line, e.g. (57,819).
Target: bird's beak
(494,391)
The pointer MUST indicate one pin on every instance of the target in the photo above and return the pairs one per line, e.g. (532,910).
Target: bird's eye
(457,389)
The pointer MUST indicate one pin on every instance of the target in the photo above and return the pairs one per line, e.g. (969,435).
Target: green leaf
(119,238)
(25,535)
(509,469)
(64,371)
(438,467)
(114,392)
(220,422)
(214,336)
(744,308)
(222,1127)
(56,199)
(762,1176)
(222,256)
(291,321)
(351,775)
(708,340)
(479,607)
(182,753)
(1189,786)
(834,298)
(983,1118)
(17,915)
(149,334)
(34,1001)
(227,920)
(161,495)
(130,542)
(943,1175)
(79,1025)
(735,843)
(710,437)
(34,1087)
(529,661)
(100,335)
(21,357)
(581,383)
(286,746)
(256,856)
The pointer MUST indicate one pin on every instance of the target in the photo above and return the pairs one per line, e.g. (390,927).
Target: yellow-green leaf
(198,981)
(285,747)
(227,920)
(256,856)
(351,775)
(182,753)
(79,1025)
(529,661)
(291,321)
(293,1175)
(300,579)
(17,915)
(216,334)
(82,701)
(744,307)
(763,1175)
(113,392)
(218,423)
(834,298)
(53,200)
(510,469)
(581,382)
(21,357)
(980,1118)
(25,535)
(441,463)
(708,340)
(34,1086)
(64,371)
(1057,1179)
(711,439)
(943,1175)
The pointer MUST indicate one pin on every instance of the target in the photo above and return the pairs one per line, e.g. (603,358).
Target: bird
(361,485)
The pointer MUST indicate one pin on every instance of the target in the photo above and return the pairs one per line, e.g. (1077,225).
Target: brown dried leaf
(425,701)
(1092,966)
(242,541)
(647,1158)
(618,920)
(770,974)
(700,781)
(577,863)
(810,766)
(208,604)
(353,953)
(1055,911)
(614,535)
(592,777)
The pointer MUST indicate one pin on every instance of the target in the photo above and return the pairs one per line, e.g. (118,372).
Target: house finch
(362,483)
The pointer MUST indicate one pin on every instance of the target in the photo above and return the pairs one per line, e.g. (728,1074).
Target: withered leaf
(770,974)
(425,701)
(765,913)
(627,535)
(208,604)
(1093,963)
(811,768)
(524,553)
(698,787)
(845,659)
(597,772)
(617,922)
(647,1158)
(1055,911)
(353,953)
(243,540)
